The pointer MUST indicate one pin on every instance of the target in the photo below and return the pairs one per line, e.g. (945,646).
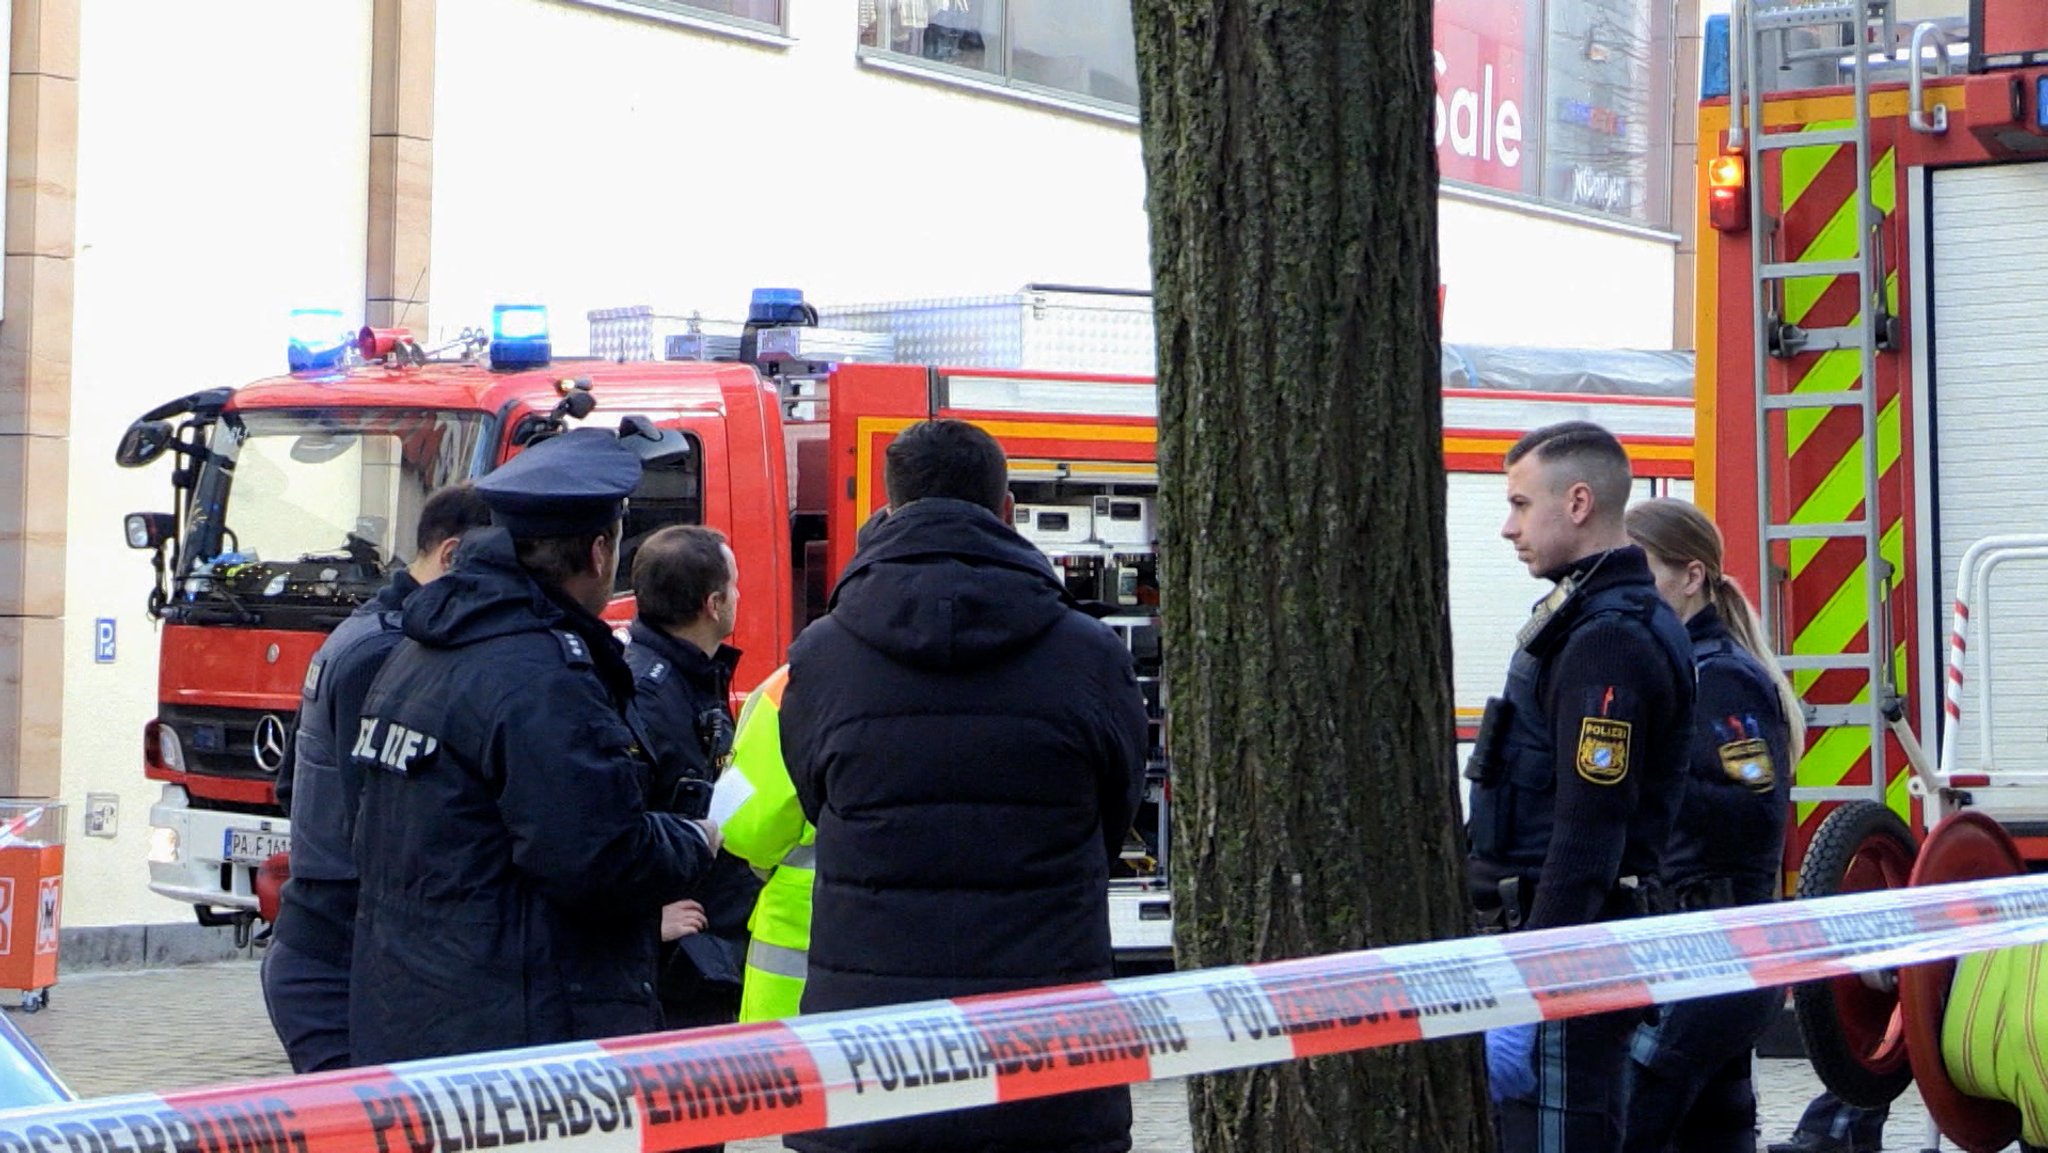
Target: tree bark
(1293,205)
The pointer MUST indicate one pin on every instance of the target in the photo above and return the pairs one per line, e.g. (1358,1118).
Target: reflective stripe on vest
(800,857)
(769,690)
(778,960)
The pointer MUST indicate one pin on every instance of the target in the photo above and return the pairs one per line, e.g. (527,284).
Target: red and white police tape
(669,1091)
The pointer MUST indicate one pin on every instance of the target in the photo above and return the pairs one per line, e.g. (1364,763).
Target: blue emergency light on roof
(1714,78)
(519,336)
(773,306)
(319,339)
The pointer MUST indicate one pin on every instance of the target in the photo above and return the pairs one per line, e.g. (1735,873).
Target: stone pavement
(151,1030)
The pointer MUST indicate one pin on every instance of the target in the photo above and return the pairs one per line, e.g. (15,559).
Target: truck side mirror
(149,529)
(144,441)
(576,405)
(651,442)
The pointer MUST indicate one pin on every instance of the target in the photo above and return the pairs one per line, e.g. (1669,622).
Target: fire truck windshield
(311,509)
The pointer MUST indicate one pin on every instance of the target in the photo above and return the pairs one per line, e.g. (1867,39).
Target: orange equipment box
(31,896)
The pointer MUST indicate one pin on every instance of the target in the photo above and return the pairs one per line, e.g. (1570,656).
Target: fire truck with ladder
(296,496)
(1871,318)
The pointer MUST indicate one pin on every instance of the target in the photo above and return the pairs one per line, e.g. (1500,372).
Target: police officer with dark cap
(1577,770)
(512,871)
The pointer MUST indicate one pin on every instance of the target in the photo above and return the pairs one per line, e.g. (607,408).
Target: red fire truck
(295,496)
(1874,208)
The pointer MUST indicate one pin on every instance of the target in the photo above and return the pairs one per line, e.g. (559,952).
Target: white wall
(222,181)
(685,168)
(1522,279)
(859,185)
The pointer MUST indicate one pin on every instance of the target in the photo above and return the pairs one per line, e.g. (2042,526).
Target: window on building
(1607,100)
(1080,48)
(1489,120)
(764,12)
(1566,102)
(1084,47)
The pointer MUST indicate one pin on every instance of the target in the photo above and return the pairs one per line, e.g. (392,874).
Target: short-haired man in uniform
(686,583)
(1577,769)
(305,970)
(513,874)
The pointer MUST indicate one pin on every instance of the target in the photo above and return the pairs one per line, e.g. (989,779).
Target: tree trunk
(1293,204)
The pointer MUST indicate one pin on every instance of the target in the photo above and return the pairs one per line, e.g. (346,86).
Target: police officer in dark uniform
(305,970)
(512,872)
(686,583)
(1689,1084)
(1577,770)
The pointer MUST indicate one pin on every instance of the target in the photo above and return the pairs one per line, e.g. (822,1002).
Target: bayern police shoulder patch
(1748,763)
(1603,750)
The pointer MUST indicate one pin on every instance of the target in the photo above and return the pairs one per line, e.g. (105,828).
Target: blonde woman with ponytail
(1689,1072)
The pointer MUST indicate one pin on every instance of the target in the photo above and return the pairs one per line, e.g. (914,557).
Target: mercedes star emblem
(270,743)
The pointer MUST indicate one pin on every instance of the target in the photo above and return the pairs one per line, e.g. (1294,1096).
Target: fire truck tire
(1854,1033)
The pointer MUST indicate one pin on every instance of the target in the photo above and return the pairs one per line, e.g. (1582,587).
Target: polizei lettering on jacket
(459,1112)
(391,745)
(267,1125)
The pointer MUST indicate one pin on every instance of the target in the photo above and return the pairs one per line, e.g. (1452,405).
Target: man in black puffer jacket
(971,747)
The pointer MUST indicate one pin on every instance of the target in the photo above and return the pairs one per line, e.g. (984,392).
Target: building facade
(180,176)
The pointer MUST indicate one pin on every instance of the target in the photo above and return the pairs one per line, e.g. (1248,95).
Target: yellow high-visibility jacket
(766,828)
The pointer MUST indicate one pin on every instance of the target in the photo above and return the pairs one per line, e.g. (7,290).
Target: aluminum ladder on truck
(1764,33)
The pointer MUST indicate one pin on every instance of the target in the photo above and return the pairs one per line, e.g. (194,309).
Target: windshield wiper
(236,613)
(211,615)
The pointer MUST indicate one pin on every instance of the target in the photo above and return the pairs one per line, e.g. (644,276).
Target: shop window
(1079,48)
(1567,102)
(1488,61)
(1607,100)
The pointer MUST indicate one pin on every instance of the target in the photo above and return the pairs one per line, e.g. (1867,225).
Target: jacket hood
(486,594)
(396,592)
(945,584)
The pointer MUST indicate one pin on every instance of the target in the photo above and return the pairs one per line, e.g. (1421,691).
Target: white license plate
(249,847)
